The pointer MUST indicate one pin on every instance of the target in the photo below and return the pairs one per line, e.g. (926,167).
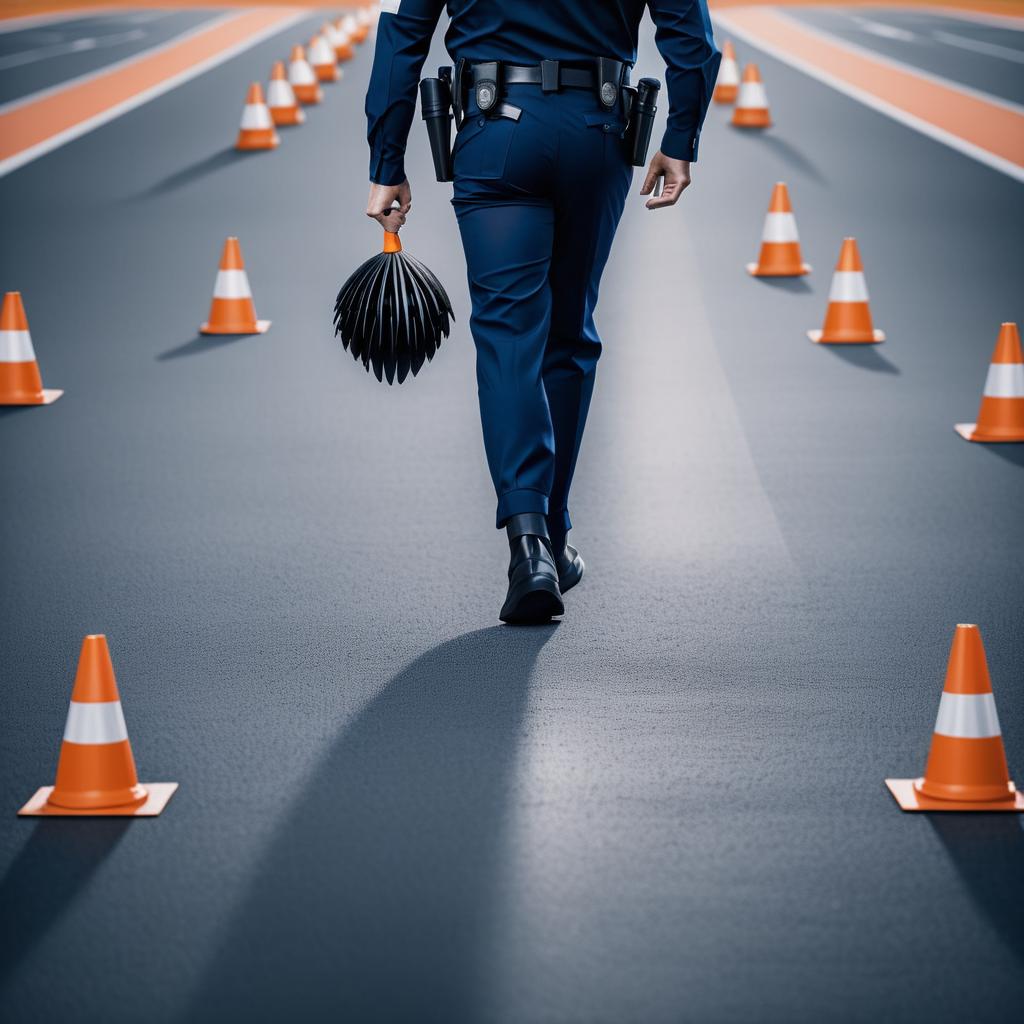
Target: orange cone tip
(96,774)
(966,769)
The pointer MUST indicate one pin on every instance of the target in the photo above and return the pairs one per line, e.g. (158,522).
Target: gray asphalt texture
(667,807)
(42,56)
(987,57)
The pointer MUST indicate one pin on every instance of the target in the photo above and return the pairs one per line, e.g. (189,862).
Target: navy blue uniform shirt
(528,31)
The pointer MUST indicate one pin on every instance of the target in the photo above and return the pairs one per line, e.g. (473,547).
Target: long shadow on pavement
(49,873)
(1012,453)
(987,851)
(867,357)
(796,285)
(200,344)
(375,898)
(789,154)
(195,171)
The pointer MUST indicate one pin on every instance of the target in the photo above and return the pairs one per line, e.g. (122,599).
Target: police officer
(541,173)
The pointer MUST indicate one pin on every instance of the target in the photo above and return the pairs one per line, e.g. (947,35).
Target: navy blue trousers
(538,201)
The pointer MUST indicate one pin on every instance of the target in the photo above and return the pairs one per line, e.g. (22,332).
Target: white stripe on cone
(1005,380)
(300,73)
(231,284)
(753,96)
(780,227)
(16,347)
(967,716)
(320,52)
(848,286)
(729,73)
(256,117)
(95,723)
(280,94)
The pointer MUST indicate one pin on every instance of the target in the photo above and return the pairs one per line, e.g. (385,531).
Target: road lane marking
(883,31)
(37,124)
(979,46)
(986,128)
(20,22)
(23,57)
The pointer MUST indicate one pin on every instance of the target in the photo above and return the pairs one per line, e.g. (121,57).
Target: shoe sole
(535,600)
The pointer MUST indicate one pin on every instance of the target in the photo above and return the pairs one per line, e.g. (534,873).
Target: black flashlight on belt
(642,111)
(436,108)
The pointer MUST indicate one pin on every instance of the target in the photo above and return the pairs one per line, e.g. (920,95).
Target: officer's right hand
(383,198)
(676,175)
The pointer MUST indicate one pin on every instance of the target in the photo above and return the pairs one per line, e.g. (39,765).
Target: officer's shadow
(374,898)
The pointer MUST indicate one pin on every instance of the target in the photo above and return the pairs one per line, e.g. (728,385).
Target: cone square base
(262,326)
(967,430)
(815,336)
(159,794)
(910,800)
(805,268)
(50,395)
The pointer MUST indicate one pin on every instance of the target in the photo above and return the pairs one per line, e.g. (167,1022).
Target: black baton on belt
(436,108)
(642,111)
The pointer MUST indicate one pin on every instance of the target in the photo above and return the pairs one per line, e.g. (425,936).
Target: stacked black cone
(392,313)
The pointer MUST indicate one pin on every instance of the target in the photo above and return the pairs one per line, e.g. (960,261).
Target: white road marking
(31,20)
(84,127)
(1007,167)
(1010,21)
(17,60)
(878,28)
(979,46)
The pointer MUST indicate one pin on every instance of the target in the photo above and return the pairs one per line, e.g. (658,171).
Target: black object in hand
(392,313)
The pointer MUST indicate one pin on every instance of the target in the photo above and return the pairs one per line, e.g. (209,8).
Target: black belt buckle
(486,83)
(549,76)
(609,78)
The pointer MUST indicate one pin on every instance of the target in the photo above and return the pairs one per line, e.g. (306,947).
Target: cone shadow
(375,897)
(866,357)
(791,156)
(987,851)
(52,869)
(796,285)
(1012,453)
(196,171)
(202,343)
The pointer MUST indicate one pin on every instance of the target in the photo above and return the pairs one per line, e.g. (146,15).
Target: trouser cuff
(511,503)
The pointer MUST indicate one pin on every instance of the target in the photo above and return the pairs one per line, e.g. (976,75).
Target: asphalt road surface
(667,807)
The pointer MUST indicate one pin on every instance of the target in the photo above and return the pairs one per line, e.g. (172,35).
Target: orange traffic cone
(751,110)
(966,768)
(360,29)
(257,128)
(848,317)
(232,310)
(96,771)
(1001,416)
(281,102)
(338,40)
(302,78)
(727,86)
(780,244)
(321,57)
(20,383)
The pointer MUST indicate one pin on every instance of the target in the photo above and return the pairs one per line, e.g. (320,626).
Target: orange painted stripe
(988,126)
(35,121)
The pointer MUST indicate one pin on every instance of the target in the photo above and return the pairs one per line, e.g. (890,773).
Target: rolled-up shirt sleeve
(684,37)
(404,32)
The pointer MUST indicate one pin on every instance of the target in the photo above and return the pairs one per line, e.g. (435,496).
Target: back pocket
(481,147)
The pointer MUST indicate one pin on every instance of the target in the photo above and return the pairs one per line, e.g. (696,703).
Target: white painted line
(17,60)
(1010,21)
(31,20)
(12,163)
(998,163)
(883,31)
(979,46)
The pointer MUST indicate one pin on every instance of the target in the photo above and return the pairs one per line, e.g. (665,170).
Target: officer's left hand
(382,201)
(676,175)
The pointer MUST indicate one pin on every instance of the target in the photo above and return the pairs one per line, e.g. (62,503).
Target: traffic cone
(281,102)
(1001,416)
(338,40)
(350,27)
(728,84)
(96,771)
(20,383)
(848,317)
(257,128)
(232,310)
(966,768)
(302,78)
(751,110)
(780,244)
(321,57)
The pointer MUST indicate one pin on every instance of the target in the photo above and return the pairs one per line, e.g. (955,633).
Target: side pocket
(481,147)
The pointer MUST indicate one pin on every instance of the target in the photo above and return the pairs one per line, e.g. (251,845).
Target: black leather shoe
(533,594)
(570,568)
